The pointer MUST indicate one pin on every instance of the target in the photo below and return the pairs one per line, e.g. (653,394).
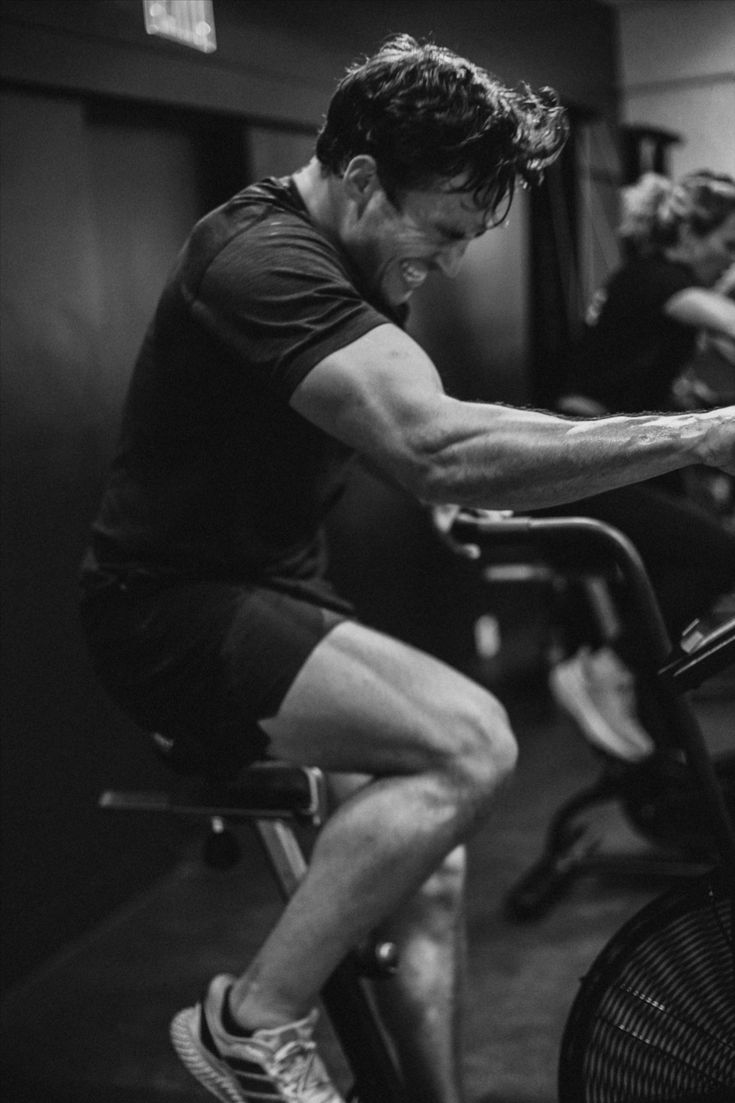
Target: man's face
(396,249)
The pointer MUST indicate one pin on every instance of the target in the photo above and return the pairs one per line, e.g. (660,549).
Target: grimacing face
(396,248)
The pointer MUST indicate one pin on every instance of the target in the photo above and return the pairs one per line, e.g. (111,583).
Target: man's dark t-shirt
(215,475)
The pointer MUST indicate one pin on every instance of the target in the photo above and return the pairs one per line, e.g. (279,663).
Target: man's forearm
(523,459)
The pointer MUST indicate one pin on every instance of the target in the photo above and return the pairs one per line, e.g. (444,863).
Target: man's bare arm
(383,397)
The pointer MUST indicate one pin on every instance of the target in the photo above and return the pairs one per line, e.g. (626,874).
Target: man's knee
(483,748)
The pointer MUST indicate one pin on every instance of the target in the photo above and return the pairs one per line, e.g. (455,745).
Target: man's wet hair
(428,116)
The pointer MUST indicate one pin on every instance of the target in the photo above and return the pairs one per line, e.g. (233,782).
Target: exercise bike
(654,1017)
(625,1041)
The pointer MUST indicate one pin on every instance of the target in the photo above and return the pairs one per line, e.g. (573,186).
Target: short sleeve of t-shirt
(280,297)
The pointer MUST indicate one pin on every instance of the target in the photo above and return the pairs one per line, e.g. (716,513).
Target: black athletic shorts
(203,660)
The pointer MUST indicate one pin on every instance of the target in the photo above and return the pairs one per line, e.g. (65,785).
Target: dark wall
(112,143)
(78,282)
(278,60)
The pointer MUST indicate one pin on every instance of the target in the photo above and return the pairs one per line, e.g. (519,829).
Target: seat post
(284,853)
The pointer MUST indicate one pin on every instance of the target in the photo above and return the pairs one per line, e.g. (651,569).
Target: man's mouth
(413,273)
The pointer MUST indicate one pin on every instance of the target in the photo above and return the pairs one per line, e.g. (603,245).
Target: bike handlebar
(675,670)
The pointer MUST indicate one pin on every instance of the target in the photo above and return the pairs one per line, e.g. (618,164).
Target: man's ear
(360,179)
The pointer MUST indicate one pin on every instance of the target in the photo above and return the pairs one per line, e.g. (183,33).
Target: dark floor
(92,1026)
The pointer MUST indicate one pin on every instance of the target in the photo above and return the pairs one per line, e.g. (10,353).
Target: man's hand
(444,516)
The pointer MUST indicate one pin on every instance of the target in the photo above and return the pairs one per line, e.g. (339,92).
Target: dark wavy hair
(427,115)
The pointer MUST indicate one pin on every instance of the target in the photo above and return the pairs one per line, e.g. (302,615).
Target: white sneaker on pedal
(269,1066)
(598,692)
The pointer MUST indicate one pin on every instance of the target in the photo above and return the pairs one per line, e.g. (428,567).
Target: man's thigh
(205,661)
(250,671)
(364,702)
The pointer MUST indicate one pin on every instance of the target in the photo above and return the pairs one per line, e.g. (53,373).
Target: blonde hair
(655,208)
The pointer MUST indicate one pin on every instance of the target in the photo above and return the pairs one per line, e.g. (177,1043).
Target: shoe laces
(298,1061)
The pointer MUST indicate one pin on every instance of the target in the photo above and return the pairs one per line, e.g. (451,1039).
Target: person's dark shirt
(216,476)
(631,352)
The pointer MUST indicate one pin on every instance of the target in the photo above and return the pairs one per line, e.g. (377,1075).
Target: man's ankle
(246,1018)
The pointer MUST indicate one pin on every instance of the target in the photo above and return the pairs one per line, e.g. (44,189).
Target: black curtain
(553,274)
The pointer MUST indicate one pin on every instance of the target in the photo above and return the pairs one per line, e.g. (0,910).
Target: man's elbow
(435,477)
(420,472)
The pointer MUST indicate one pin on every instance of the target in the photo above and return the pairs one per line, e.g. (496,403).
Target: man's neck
(319,196)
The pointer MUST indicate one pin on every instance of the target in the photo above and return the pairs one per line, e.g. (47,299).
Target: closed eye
(455,237)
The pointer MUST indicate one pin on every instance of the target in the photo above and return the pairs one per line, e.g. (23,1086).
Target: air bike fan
(654,1019)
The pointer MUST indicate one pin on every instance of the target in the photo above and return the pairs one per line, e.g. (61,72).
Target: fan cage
(654,1019)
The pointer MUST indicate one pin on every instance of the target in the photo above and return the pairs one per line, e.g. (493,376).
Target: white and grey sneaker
(270,1066)
(598,691)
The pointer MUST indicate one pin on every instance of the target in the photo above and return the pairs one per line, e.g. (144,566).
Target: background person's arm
(703,309)
(713,312)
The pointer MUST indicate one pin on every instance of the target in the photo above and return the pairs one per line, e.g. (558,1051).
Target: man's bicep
(377,395)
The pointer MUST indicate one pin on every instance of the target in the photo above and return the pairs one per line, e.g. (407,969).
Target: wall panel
(92,217)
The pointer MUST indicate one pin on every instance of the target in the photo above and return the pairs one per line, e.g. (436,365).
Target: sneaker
(598,692)
(271,1066)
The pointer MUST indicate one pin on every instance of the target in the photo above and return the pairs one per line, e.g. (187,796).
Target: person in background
(277,352)
(641,332)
